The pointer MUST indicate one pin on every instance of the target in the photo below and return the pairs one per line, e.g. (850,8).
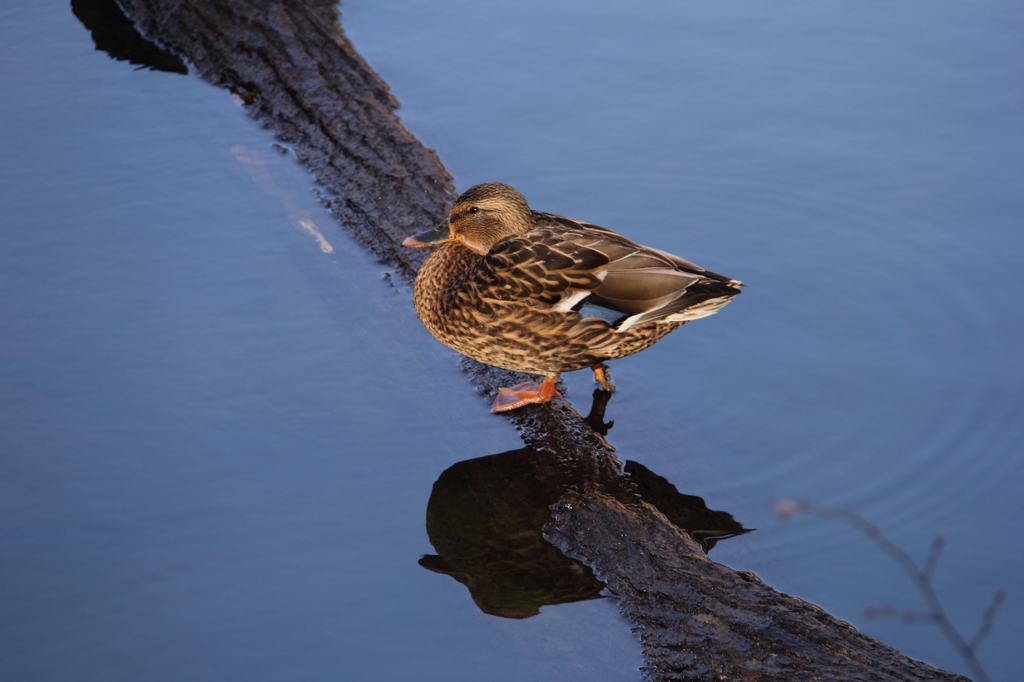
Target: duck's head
(481,217)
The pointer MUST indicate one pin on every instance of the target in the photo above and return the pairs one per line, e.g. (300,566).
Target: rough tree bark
(697,620)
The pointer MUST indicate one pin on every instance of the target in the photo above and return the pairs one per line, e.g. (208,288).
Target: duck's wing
(552,220)
(546,266)
(569,265)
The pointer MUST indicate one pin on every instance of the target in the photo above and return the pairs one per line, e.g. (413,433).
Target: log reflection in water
(115,34)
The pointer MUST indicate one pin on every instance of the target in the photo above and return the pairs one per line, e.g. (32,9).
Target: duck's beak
(439,235)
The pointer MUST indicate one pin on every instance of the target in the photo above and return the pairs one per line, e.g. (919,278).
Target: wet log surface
(698,620)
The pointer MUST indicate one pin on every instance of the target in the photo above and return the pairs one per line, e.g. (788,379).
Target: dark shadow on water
(689,513)
(486,519)
(115,34)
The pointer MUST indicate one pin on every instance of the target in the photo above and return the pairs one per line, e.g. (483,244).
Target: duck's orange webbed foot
(602,376)
(525,393)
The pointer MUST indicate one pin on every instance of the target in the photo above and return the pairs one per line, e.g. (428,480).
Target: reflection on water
(116,35)
(486,519)
(689,513)
(255,163)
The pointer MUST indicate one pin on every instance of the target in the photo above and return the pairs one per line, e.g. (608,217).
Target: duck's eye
(474,209)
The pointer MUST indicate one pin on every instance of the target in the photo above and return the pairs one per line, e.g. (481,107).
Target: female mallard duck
(538,293)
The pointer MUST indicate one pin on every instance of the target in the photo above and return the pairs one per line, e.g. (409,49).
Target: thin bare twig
(922,577)
(986,620)
(933,556)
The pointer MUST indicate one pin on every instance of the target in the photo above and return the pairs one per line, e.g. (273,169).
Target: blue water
(220,426)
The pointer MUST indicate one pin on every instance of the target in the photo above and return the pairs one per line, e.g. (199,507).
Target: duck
(543,294)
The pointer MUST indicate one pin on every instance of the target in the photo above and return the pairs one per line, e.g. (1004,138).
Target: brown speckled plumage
(543,294)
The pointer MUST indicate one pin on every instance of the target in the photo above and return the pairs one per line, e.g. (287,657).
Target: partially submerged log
(291,64)
(699,620)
